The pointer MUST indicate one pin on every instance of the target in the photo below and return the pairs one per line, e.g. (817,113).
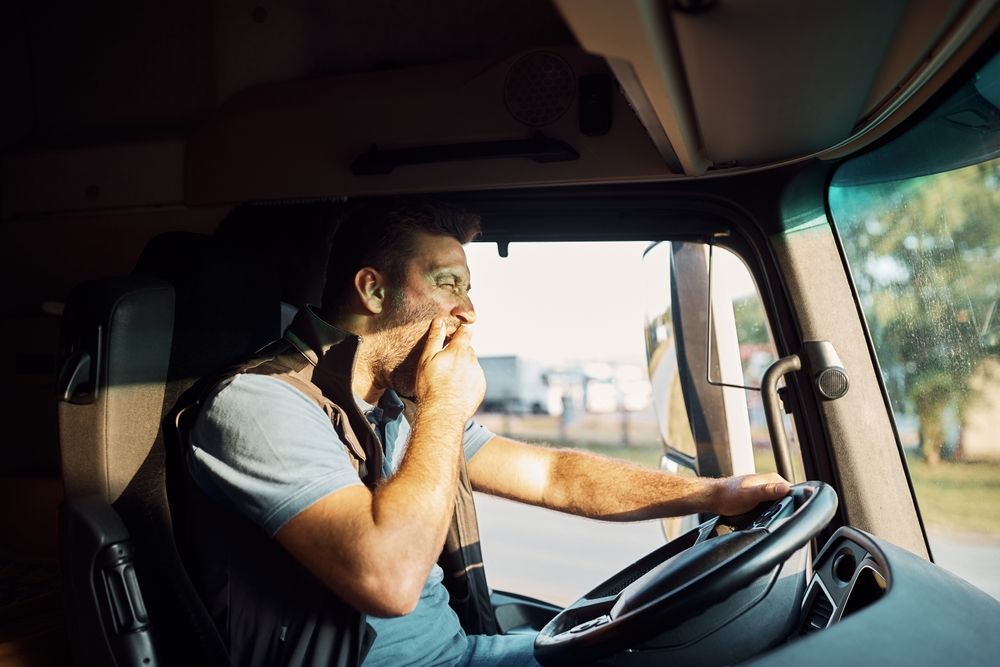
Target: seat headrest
(292,239)
(227,305)
(113,357)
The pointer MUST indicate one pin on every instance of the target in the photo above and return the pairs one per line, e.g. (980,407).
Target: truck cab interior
(171,185)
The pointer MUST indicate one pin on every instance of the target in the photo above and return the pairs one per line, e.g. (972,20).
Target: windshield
(920,224)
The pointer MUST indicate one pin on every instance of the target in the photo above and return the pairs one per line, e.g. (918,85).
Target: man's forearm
(347,538)
(415,505)
(599,487)
(604,488)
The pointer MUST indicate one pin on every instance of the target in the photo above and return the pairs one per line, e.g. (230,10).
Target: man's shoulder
(266,450)
(256,396)
(277,365)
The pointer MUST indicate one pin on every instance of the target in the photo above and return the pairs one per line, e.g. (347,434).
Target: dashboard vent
(819,615)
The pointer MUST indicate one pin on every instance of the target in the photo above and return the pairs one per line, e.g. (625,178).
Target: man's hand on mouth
(450,331)
(449,373)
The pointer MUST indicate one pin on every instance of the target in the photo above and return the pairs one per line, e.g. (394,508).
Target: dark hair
(379,233)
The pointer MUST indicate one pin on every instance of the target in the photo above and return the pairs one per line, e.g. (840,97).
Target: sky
(560,302)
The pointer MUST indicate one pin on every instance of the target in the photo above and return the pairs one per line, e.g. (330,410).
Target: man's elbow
(388,597)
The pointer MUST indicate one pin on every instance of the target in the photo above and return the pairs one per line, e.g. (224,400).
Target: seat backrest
(130,347)
(114,353)
(226,308)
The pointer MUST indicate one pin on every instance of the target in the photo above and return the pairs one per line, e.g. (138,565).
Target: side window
(559,337)
(918,222)
(561,346)
(602,346)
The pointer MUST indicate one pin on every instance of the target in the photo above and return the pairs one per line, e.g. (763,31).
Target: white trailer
(515,385)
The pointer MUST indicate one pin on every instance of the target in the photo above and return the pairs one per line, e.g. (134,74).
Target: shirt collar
(388,409)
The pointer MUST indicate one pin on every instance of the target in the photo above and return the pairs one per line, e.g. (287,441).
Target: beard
(397,343)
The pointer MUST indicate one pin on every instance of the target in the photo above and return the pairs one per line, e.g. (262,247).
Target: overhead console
(542,117)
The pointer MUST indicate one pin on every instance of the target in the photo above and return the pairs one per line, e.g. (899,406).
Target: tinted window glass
(919,223)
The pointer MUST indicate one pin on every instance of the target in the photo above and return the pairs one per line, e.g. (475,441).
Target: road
(552,556)
(557,558)
(975,558)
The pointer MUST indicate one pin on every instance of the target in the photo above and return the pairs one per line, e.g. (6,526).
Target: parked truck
(515,385)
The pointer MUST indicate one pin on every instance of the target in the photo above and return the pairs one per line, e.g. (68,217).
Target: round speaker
(832,382)
(540,88)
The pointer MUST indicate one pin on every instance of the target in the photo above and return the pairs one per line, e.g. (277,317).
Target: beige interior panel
(923,25)
(112,176)
(639,32)
(43,257)
(770,79)
(964,37)
(873,485)
(750,83)
(299,139)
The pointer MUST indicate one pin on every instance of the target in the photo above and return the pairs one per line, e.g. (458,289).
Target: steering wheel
(683,578)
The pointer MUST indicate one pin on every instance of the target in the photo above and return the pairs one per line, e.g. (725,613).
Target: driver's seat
(129,601)
(127,353)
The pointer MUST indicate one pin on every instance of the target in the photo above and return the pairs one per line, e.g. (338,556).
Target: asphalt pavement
(975,558)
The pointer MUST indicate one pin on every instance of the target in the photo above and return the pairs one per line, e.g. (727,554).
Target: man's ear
(370,288)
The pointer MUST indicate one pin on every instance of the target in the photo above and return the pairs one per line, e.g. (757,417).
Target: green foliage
(751,322)
(925,255)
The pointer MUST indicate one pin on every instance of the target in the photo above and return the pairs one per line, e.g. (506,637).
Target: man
(365,505)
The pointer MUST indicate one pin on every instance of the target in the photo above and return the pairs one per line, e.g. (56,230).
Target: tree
(925,255)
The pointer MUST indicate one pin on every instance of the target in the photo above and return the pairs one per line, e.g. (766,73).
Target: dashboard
(861,600)
(871,602)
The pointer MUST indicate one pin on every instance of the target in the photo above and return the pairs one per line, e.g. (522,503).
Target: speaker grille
(832,383)
(540,88)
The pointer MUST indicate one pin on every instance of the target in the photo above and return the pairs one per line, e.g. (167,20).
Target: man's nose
(465,312)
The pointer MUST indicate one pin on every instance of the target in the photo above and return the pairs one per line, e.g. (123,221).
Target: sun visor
(544,117)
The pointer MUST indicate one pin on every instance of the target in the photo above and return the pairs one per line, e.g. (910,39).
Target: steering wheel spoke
(585,614)
(594,606)
(707,530)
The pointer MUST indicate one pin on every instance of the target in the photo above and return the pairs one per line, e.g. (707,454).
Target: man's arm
(595,486)
(375,549)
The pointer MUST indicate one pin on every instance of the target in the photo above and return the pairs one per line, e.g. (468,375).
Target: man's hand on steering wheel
(732,496)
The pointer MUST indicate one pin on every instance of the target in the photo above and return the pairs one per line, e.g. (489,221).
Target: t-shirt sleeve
(476,435)
(266,450)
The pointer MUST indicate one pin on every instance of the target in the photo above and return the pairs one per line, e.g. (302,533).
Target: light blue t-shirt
(267,451)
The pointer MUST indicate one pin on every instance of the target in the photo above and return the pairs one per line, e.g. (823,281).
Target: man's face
(436,283)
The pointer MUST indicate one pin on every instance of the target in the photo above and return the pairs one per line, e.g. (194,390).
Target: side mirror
(703,342)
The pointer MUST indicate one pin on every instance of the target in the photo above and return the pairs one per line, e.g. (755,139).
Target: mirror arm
(710,341)
(680,459)
(772,411)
